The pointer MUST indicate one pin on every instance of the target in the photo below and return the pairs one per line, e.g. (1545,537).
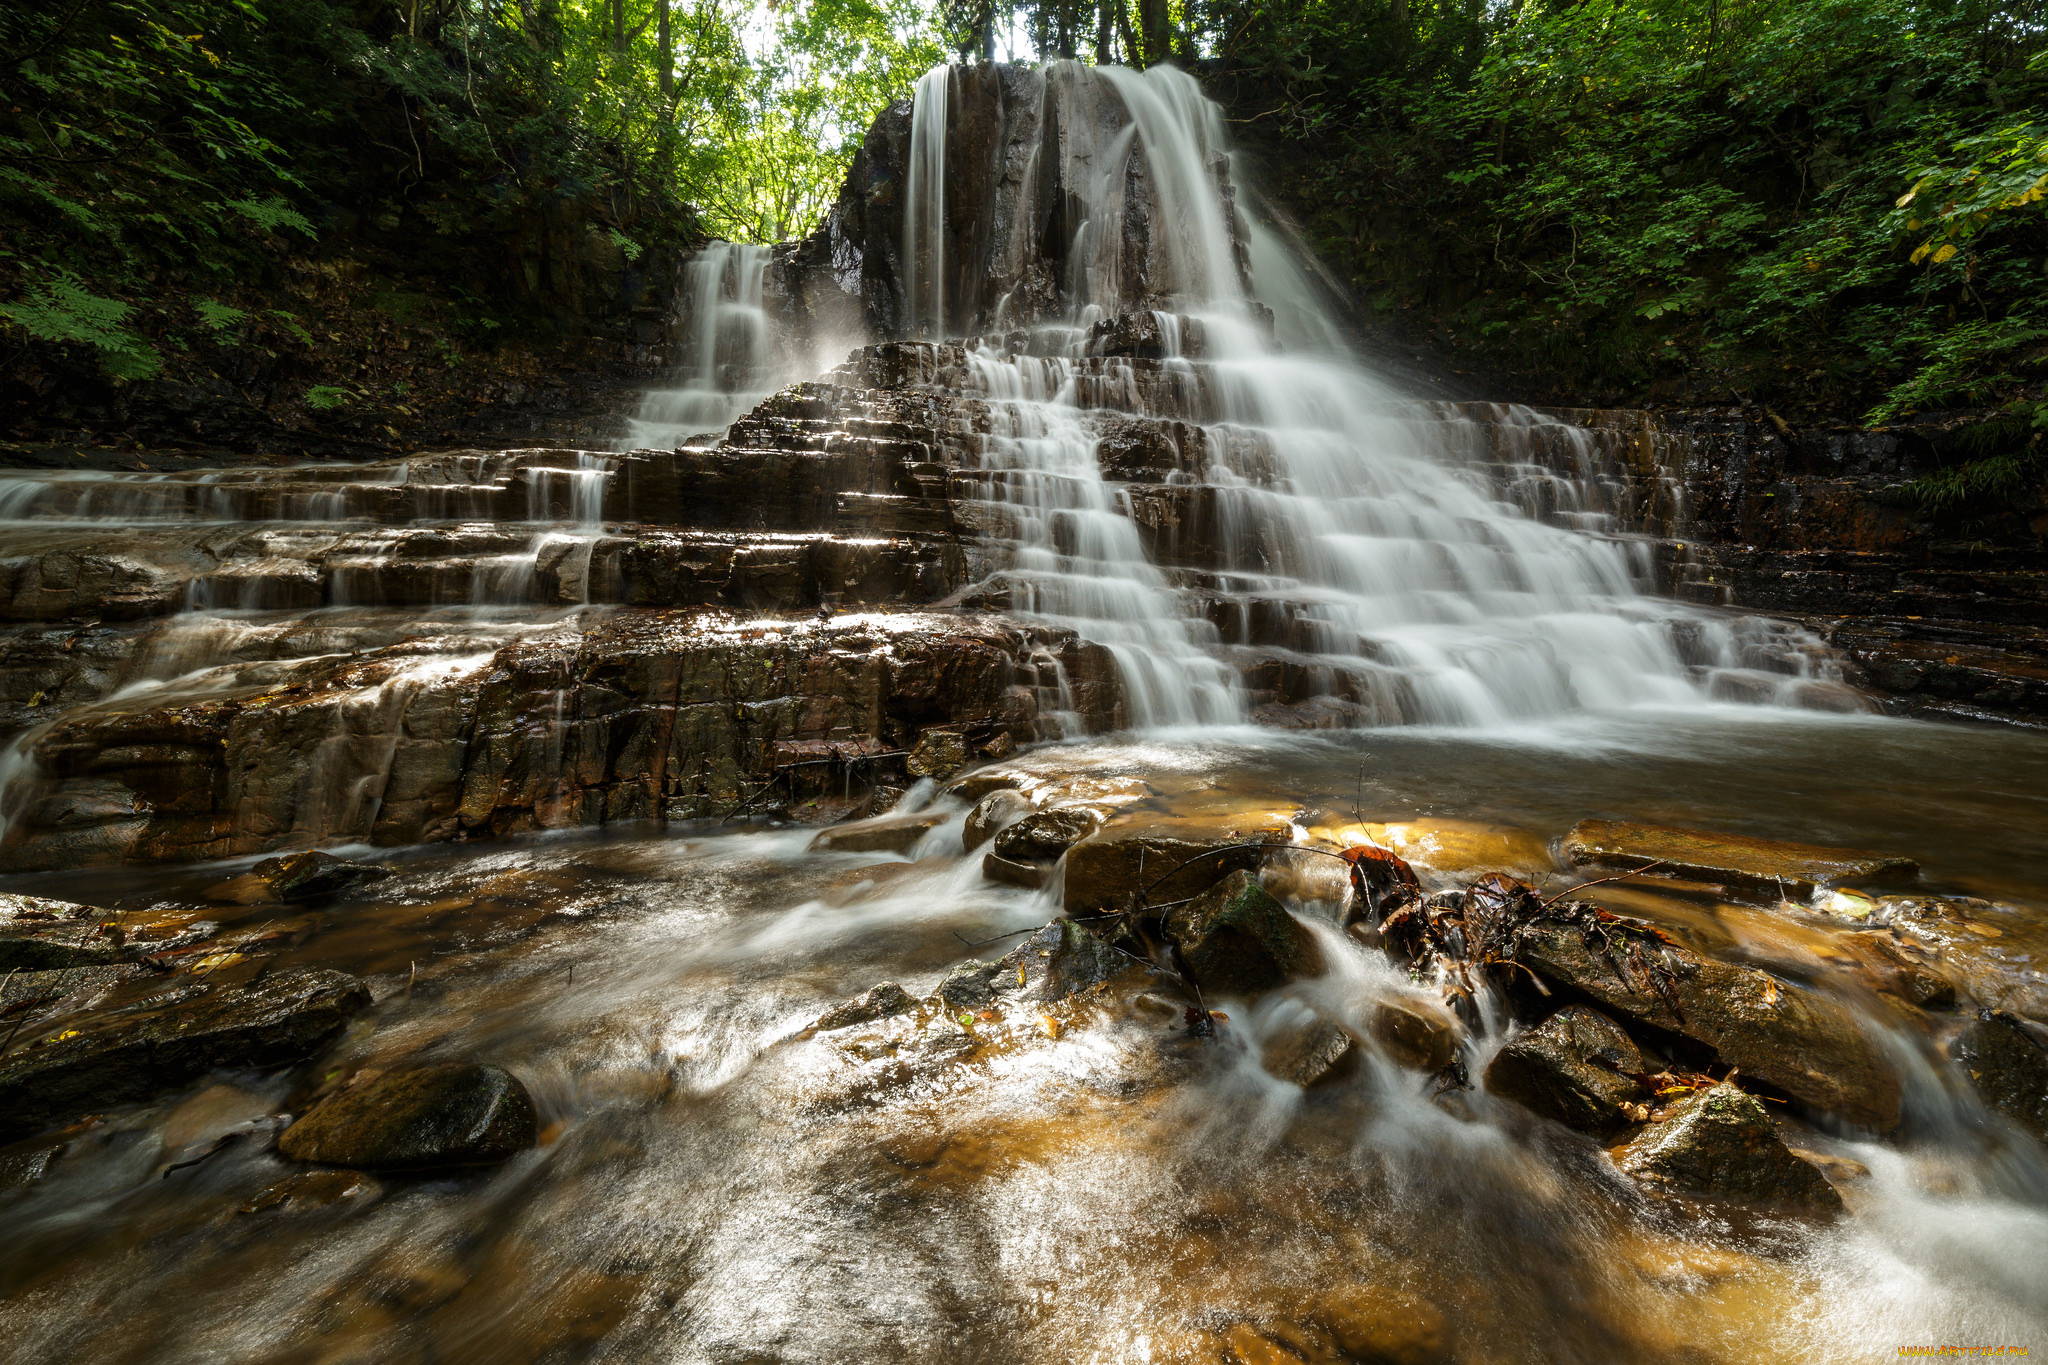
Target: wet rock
(1307,1049)
(1720,1142)
(879,1002)
(1010,872)
(171,1037)
(314,1190)
(1000,808)
(33,996)
(1059,961)
(1045,836)
(313,874)
(1898,967)
(1385,1326)
(885,834)
(1571,1068)
(1248,1346)
(38,935)
(1234,939)
(453,1114)
(938,754)
(1107,869)
(2008,1066)
(1415,1034)
(1805,1044)
(1778,870)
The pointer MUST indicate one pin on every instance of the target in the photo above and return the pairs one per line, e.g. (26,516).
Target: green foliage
(61,311)
(326,398)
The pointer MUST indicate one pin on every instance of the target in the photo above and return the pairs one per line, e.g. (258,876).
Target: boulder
(1002,807)
(1763,866)
(1808,1045)
(1719,1142)
(1383,1326)
(938,754)
(453,1114)
(1234,939)
(1106,869)
(1571,1068)
(313,874)
(166,1040)
(1045,836)
(879,1002)
(2008,1067)
(1307,1049)
(884,834)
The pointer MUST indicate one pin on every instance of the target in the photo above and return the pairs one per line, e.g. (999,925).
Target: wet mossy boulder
(159,1041)
(938,754)
(1809,1045)
(1573,1067)
(452,1114)
(313,875)
(2008,1067)
(1235,939)
(1719,1142)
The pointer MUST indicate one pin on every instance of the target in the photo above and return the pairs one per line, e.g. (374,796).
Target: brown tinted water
(1085,1184)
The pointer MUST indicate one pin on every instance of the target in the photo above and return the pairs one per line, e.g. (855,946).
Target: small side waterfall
(1380,558)
(728,360)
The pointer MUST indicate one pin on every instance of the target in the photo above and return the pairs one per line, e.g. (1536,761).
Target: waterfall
(727,364)
(1364,552)
(924,207)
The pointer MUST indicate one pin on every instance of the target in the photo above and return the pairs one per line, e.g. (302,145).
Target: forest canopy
(1835,203)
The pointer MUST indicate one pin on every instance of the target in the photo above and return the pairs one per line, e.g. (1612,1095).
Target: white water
(727,361)
(1407,574)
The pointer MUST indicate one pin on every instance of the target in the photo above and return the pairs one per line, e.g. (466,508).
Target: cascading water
(1406,577)
(728,357)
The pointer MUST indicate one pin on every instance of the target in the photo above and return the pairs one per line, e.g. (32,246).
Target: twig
(1617,877)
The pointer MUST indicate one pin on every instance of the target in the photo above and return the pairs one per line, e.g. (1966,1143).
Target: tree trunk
(667,66)
(1105,47)
(1152,16)
(1133,56)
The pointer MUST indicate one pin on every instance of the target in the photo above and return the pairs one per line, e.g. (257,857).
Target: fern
(271,214)
(63,312)
(326,398)
(218,317)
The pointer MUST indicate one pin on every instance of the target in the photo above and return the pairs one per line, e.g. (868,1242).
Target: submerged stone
(1385,1326)
(1810,1046)
(1571,1068)
(884,834)
(2008,1066)
(1235,939)
(313,874)
(1307,1050)
(453,1114)
(1415,1033)
(166,1040)
(878,1002)
(1791,871)
(1720,1142)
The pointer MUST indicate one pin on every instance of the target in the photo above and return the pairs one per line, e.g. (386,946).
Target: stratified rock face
(2008,1067)
(1784,1035)
(164,1040)
(454,1114)
(1721,1143)
(1235,939)
(1575,1068)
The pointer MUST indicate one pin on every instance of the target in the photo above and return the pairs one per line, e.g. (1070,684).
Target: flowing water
(728,359)
(1085,1184)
